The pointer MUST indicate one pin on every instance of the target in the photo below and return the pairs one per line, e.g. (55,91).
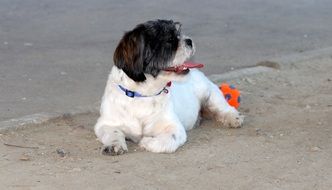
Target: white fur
(159,123)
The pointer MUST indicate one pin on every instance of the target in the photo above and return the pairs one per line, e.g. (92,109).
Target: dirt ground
(285,143)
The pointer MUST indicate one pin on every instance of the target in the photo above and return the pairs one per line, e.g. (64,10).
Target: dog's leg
(164,137)
(112,138)
(221,110)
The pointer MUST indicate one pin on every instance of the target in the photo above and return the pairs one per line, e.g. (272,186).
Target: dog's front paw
(231,119)
(114,149)
(150,144)
(159,144)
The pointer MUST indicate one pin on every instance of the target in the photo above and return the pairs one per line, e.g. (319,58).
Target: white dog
(152,97)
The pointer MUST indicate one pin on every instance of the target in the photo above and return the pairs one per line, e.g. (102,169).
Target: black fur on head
(148,48)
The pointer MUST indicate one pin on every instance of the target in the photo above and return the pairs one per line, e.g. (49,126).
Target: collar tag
(129,93)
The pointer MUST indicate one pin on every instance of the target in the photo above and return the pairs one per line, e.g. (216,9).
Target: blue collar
(133,94)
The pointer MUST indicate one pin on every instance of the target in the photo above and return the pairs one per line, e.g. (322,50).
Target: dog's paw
(231,119)
(114,149)
(150,144)
(158,145)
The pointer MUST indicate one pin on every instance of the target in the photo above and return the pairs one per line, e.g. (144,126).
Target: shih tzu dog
(153,95)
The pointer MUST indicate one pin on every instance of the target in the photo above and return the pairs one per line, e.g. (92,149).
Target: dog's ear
(128,56)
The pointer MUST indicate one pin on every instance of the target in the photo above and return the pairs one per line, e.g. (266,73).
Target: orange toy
(232,95)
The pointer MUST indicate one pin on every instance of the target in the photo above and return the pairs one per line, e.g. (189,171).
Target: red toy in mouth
(184,68)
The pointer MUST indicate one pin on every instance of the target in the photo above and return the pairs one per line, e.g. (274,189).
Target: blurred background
(55,55)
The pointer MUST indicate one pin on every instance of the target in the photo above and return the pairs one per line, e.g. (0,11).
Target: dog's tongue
(185,66)
(190,65)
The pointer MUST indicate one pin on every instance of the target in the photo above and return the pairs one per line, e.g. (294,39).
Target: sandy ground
(285,144)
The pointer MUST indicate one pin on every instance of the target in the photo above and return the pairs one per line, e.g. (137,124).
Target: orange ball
(231,94)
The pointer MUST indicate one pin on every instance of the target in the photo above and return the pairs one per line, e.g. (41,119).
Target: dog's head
(152,47)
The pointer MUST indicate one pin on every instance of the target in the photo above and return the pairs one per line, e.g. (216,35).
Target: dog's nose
(189,42)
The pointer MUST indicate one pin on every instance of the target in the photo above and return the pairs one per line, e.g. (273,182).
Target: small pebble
(24,158)
(315,149)
(248,80)
(61,152)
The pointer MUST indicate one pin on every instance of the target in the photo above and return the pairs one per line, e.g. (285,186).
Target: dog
(153,96)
